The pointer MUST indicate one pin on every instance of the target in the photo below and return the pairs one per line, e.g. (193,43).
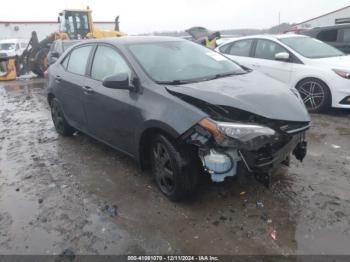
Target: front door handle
(88,90)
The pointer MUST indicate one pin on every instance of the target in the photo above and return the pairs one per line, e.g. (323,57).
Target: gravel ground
(76,195)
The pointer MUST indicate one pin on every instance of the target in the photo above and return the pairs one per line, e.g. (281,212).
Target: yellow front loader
(73,25)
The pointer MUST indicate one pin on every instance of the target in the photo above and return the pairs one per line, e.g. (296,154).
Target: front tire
(315,94)
(175,171)
(60,123)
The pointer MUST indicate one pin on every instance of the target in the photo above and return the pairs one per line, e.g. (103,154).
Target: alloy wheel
(313,94)
(163,168)
(57,117)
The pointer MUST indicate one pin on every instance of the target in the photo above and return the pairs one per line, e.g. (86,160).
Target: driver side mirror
(283,56)
(119,81)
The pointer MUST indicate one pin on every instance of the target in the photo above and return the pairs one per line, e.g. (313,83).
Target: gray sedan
(178,108)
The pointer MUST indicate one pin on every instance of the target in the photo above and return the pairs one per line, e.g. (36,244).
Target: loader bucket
(8,69)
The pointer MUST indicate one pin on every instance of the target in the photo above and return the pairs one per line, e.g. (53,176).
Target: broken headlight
(247,136)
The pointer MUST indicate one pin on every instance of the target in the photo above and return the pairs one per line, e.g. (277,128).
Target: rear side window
(240,48)
(107,62)
(346,35)
(328,35)
(78,60)
(266,49)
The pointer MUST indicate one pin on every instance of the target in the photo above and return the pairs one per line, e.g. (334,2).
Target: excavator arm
(34,57)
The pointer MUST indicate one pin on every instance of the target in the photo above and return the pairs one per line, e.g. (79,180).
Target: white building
(339,16)
(23,29)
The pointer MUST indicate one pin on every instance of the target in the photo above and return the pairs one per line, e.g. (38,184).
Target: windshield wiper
(226,75)
(175,82)
(183,82)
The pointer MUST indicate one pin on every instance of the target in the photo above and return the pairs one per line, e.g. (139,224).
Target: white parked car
(12,47)
(317,70)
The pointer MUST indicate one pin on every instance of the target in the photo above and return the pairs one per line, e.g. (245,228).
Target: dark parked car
(177,108)
(337,36)
(57,49)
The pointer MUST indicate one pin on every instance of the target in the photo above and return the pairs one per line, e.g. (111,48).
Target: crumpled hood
(252,92)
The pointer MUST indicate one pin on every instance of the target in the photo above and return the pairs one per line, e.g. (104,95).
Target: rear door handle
(88,90)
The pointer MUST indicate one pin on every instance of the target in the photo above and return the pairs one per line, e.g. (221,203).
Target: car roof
(330,27)
(125,40)
(268,37)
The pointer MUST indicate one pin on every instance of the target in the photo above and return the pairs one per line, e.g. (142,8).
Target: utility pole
(279,18)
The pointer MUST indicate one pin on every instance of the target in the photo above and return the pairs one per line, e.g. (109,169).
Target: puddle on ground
(88,176)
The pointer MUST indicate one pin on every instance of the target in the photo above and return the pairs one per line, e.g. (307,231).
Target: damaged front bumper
(261,156)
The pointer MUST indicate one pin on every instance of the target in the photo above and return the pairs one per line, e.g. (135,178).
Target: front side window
(224,49)
(311,48)
(240,48)
(328,35)
(266,49)
(108,62)
(78,60)
(182,61)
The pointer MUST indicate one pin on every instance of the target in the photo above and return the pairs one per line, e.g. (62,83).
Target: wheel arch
(145,139)
(50,96)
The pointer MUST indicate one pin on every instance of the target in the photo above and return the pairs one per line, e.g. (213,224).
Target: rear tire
(316,95)
(175,170)
(60,123)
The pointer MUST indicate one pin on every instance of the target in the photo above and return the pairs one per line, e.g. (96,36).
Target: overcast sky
(141,16)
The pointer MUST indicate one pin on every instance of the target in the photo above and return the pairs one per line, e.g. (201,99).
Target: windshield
(311,48)
(74,23)
(7,46)
(182,61)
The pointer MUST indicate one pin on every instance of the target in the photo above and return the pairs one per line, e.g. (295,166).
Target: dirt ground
(77,195)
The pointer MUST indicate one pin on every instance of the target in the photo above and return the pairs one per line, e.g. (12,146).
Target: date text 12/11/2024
(173,258)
